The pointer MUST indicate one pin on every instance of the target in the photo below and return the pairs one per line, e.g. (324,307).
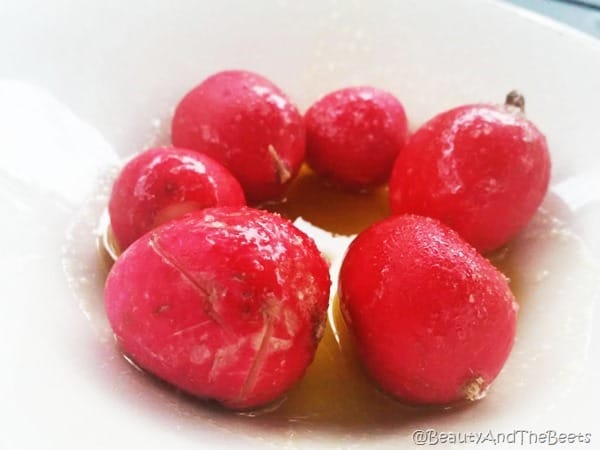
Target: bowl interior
(98,81)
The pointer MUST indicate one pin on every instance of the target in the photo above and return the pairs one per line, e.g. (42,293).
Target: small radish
(226,304)
(481,169)
(161,184)
(249,125)
(354,135)
(432,319)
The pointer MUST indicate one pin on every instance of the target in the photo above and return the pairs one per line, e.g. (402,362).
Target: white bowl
(85,83)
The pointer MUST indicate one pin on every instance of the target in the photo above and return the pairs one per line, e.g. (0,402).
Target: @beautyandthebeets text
(433,437)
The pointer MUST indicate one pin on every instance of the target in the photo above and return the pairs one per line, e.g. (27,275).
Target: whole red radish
(161,184)
(354,135)
(433,320)
(249,125)
(226,304)
(481,169)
